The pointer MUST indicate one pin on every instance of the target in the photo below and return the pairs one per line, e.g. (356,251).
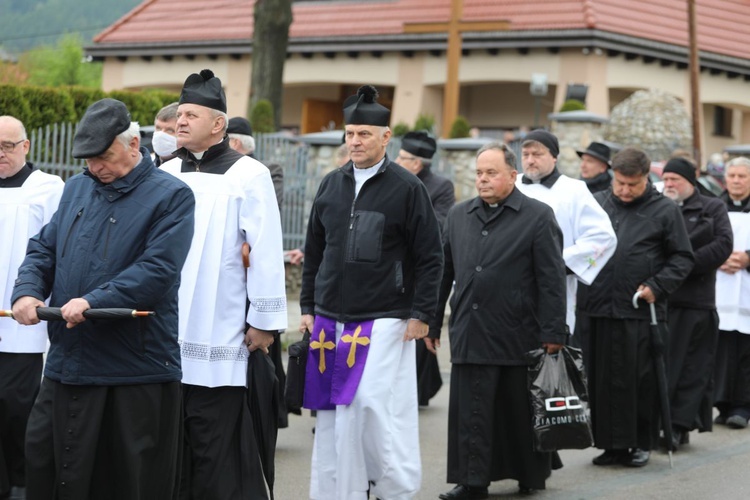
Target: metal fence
(51,148)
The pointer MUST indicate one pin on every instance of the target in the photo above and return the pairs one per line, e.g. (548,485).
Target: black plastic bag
(294,392)
(559,400)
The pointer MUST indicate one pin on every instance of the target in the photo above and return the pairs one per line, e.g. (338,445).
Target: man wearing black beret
(106,423)
(372,265)
(228,310)
(693,322)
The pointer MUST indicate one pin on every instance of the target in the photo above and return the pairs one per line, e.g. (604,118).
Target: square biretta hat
(363,108)
(205,89)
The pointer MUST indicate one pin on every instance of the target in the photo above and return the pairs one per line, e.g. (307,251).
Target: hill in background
(25,24)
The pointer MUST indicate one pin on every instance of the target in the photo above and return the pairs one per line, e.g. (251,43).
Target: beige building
(611,48)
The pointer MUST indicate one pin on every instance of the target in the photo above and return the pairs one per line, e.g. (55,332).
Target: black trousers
(622,383)
(693,334)
(20,376)
(429,380)
(490,435)
(103,442)
(732,374)
(219,459)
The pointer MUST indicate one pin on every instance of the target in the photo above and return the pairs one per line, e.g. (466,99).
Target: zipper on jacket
(112,221)
(70,231)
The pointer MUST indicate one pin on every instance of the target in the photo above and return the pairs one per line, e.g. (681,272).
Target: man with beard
(693,322)
(653,257)
(588,238)
(732,374)
(504,252)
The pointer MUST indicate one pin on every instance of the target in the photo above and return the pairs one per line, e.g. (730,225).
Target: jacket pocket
(70,230)
(398,277)
(365,237)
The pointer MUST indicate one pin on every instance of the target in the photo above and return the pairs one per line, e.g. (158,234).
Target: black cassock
(490,417)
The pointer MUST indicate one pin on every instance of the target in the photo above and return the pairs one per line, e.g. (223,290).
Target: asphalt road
(713,466)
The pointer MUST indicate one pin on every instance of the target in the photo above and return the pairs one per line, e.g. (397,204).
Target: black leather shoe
(720,419)
(611,457)
(463,492)
(524,490)
(637,458)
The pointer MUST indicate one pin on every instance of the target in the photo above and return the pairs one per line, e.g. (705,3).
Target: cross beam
(455,27)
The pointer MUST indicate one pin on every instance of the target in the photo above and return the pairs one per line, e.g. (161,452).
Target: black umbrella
(54,314)
(658,349)
(262,400)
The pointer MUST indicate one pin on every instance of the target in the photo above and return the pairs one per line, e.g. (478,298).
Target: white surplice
(230,209)
(588,238)
(733,290)
(23,212)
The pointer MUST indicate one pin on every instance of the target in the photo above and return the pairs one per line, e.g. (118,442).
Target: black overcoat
(509,277)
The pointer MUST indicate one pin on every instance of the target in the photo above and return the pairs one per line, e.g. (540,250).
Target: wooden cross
(455,27)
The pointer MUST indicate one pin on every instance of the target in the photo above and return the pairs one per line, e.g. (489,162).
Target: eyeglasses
(8,147)
(410,158)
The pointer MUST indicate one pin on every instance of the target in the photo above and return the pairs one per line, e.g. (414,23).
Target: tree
(270,38)
(62,64)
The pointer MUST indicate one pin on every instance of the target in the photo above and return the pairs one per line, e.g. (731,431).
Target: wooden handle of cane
(245,255)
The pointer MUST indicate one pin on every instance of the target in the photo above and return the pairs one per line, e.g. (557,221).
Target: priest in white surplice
(28,198)
(235,204)
(588,238)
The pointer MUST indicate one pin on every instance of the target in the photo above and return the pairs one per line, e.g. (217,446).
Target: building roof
(341,25)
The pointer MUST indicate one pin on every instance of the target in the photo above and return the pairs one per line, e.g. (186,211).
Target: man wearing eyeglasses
(28,198)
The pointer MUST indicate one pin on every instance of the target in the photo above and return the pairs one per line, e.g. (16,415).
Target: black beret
(419,144)
(239,125)
(205,89)
(545,138)
(363,108)
(101,124)
(597,150)
(680,166)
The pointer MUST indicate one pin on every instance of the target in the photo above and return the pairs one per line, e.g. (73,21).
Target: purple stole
(334,371)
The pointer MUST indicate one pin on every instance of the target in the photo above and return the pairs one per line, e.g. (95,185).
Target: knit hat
(204,89)
(545,138)
(363,108)
(680,166)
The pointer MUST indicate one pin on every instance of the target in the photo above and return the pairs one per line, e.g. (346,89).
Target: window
(722,121)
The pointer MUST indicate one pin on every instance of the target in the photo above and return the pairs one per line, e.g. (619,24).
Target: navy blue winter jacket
(121,244)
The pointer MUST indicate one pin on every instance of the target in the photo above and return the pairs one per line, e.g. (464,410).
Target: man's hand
(647,294)
(295,256)
(258,339)
(552,348)
(306,323)
(737,261)
(72,312)
(24,310)
(415,329)
(432,344)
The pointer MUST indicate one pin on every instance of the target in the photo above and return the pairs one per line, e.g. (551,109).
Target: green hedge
(41,106)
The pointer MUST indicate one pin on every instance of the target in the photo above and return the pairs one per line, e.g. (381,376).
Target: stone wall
(575,130)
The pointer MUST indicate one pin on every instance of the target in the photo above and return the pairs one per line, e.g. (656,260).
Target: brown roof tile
(721,23)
